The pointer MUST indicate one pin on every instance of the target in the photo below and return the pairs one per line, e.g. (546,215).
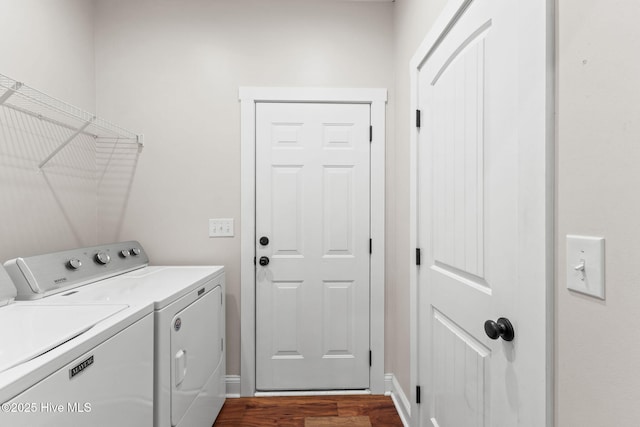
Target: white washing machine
(74,365)
(189,319)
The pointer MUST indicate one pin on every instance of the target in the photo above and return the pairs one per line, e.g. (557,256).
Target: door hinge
(418,260)
(370,358)
(370,246)
(418,119)
(418,398)
(221,344)
(370,133)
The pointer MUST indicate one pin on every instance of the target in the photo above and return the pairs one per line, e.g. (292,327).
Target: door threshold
(310,393)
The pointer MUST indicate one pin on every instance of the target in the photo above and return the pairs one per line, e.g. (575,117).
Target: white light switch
(585,265)
(221,227)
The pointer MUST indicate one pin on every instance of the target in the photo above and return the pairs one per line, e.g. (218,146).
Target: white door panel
(470,222)
(312,203)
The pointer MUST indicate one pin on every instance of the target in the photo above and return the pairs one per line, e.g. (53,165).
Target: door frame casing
(249,96)
(538,68)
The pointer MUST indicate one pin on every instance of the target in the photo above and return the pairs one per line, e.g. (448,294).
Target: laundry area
(318,213)
(121,168)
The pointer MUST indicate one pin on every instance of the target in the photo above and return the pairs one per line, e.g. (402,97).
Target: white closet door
(482,227)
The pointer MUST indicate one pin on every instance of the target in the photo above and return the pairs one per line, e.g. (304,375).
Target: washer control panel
(41,275)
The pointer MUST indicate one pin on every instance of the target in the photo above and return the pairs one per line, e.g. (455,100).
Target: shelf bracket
(13,89)
(67,141)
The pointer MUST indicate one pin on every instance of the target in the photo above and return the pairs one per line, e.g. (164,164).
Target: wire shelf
(27,100)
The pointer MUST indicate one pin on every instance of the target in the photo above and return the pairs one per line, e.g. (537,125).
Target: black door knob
(264,240)
(502,328)
(264,261)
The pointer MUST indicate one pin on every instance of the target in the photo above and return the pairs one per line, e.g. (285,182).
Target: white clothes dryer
(74,364)
(189,320)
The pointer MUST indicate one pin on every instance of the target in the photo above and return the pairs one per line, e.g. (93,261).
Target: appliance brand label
(80,367)
(60,280)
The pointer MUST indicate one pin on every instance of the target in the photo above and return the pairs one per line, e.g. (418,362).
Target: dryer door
(196,350)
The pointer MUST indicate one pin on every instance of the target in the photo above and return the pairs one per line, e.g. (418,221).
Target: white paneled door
(312,246)
(481,225)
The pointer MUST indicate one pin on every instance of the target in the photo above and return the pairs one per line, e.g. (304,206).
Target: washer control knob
(135,251)
(103,258)
(74,264)
(124,253)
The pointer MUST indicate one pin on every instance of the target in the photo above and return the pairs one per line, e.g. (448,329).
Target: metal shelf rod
(64,144)
(10,91)
(29,101)
(39,116)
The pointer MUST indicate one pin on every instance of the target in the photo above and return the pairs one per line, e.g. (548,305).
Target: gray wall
(172,69)
(49,46)
(598,182)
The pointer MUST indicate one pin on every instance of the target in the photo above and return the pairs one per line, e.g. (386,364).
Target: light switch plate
(585,265)
(221,227)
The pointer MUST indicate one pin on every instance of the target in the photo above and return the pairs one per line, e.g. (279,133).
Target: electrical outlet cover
(585,265)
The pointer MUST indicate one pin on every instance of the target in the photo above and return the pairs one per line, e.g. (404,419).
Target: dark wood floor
(292,411)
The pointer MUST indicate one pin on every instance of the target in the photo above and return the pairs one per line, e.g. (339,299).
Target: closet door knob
(264,261)
(264,240)
(502,328)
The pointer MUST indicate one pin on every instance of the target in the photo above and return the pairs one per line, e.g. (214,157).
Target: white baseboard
(233,386)
(392,388)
